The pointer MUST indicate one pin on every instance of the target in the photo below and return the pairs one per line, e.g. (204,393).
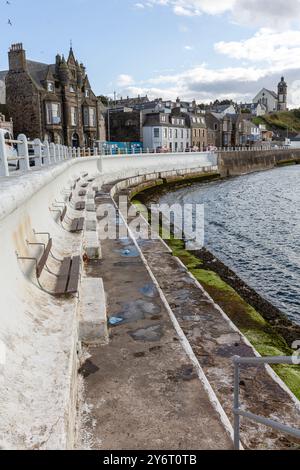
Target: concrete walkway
(215,340)
(141,390)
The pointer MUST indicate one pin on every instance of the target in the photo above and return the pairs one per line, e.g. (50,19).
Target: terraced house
(166,132)
(53,102)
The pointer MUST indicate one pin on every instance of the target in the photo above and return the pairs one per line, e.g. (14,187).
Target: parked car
(162,150)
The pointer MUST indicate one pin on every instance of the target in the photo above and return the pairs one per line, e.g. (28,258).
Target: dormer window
(87,93)
(72,89)
(50,87)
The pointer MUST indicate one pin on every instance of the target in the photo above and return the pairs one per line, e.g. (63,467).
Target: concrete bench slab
(92,312)
(91,245)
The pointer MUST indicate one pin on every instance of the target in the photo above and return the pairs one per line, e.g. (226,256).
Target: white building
(271,100)
(162,132)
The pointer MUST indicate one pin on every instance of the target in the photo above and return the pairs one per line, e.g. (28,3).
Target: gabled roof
(272,93)
(39,71)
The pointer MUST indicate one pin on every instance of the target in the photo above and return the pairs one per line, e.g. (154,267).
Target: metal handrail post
(236,425)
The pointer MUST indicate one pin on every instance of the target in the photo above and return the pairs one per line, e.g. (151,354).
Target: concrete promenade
(142,390)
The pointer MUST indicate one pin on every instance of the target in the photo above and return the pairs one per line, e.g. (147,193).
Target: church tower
(282,95)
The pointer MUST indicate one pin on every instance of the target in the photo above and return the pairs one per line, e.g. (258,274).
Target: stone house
(221,125)
(124,125)
(53,102)
(198,127)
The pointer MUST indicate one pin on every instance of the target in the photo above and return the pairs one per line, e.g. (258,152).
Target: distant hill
(281,122)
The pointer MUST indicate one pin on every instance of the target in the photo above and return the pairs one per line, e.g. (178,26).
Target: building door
(75,140)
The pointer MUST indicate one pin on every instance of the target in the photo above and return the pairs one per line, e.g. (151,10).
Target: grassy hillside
(281,121)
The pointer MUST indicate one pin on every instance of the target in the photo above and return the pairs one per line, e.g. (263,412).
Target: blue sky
(203,49)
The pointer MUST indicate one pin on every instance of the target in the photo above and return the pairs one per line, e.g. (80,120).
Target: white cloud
(280,50)
(206,84)
(276,14)
(124,80)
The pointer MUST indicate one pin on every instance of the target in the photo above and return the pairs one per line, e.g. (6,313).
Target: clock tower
(282,95)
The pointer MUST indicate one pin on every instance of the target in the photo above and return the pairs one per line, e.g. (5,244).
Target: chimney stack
(17,58)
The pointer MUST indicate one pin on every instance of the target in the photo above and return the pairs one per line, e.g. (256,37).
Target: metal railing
(238,412)
(22,154)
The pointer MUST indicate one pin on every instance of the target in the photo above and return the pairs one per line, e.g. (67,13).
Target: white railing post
(74,152)
(95,152)
(57,152)
(47,160)
(4,171)
(78,152)
(52,152)
(37,147)
(89,152)
(23,152)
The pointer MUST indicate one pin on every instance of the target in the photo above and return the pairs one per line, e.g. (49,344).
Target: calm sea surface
(252,223)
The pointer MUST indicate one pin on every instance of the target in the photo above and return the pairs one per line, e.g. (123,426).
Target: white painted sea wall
(39,332)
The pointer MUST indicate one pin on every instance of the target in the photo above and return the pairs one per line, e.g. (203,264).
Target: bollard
(23,152)
(4,171)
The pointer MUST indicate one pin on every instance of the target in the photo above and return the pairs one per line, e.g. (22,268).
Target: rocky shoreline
(289,330)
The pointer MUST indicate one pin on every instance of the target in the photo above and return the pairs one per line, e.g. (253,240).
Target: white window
(72,89)
(53,113)
(170,133)
(163,118)
(92,116)
(176,133)
(89,117)
(50,86)
(73,116)
(87,93)
(156,132)
(182,133)
(165,133)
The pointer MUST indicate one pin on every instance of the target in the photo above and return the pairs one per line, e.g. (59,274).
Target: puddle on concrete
(185,373)
(87,369)
(150,333)
(139,310)
(149,290)
(129,252)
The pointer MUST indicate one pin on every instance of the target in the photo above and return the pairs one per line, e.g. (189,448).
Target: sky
(194,49)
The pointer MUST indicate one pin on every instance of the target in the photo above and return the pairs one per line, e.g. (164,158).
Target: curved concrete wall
(39,332)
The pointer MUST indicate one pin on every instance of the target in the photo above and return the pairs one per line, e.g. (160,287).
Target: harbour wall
(236,163)
(39,337)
